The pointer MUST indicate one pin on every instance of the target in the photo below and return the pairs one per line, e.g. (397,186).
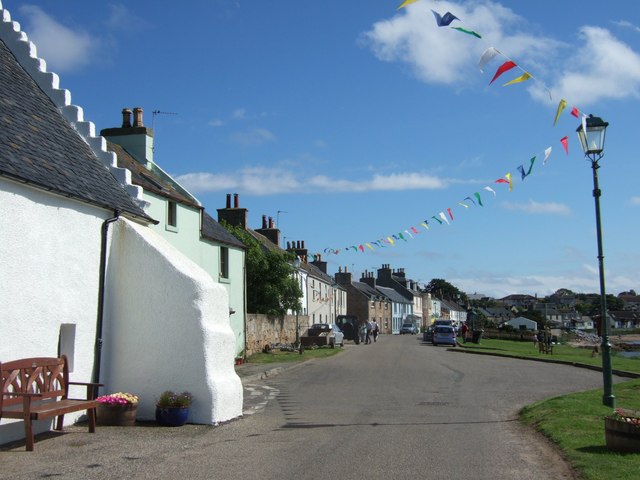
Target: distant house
(518,300)
(496,315)
(631,302)
(183,221)
(454,312)
(395,280)
(522,323)
(401,307)
(82,272)
(364,300)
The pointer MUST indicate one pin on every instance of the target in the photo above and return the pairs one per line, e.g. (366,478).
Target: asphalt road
(393,409)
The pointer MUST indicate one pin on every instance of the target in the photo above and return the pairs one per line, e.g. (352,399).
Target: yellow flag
(369,246)
(522,78)
(508,177)
(391,241)
(561,107)
(406,2)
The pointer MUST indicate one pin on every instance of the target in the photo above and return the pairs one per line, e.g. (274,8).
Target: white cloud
(256,136)
(62,48)
(627,24)
(444,56)
(239,114)
(602,67)
(532,207)
(635,201)
(216,122)
(270,181)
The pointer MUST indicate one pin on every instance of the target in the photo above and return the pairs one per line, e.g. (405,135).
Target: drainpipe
(101,288)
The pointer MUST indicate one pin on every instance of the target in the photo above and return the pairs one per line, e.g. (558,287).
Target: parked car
(321,334)
(427,335)
(444,334)
(350,326)
(409,328)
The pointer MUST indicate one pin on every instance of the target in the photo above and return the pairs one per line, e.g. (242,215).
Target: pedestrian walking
(363,332)
(374,330)
(464,330)
(368,337)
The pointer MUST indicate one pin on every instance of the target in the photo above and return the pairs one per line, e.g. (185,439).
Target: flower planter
(621,436)
(116,415)
(172,416)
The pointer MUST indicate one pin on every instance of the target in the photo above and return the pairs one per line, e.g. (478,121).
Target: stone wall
(264,330)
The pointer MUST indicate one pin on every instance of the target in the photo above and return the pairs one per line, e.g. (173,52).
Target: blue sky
(352,121)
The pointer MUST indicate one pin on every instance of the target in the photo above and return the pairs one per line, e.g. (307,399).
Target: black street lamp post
(592,134)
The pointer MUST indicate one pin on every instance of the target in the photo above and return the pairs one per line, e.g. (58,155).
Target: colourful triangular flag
(505,67)
(369,247)
(477,195)
(491,190)
(444,20)
(442,216)
(437,219)
(565,144)
(561,106)
(405,3)
(575,112)
(463,204)
(486,57)
(469,32)
(522,78)
(508,177)
(547,154)
(425,224)
(450,214)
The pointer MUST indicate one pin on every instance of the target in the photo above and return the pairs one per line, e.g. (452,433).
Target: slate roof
(367,290)
(392,295)
(214,231)
(148,179)
(38,146)
(156,183)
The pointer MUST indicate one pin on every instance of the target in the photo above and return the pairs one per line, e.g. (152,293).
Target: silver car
(444,335)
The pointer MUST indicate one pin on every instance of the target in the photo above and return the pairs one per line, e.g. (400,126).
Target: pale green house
(182,219)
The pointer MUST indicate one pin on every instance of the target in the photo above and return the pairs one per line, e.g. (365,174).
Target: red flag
(449,212)
(565,144)
(361,248)
(501,180)
(505,67)
(575,112)
(414,230)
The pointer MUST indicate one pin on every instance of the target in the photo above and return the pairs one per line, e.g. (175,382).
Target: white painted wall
(167,327)
(49,275)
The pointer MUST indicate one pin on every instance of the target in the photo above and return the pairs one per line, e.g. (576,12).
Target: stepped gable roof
(46,144)
(214,231)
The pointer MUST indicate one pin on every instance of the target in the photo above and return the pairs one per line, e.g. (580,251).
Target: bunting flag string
(487,56)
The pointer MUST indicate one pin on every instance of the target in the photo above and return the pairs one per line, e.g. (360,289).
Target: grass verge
(564,353)
(276,356)
(576,424)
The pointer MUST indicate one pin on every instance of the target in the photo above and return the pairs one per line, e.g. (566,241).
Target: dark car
(321,334)
(349,326)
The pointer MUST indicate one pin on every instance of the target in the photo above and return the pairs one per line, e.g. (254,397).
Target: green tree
(271,286)
(443,289)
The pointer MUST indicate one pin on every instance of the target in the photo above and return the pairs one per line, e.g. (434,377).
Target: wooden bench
(38,388)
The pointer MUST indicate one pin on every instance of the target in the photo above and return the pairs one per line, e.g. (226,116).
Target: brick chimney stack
(369,279)
(271,231)
(136,139)
(318,262)
(236,216)
(343,278)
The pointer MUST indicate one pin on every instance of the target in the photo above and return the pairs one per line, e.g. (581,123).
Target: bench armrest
(92,388)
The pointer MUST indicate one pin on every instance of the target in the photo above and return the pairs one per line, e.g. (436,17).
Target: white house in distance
(82,273)
(522,323)
(183,221)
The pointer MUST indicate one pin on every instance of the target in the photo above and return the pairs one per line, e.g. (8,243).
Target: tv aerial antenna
(158,112)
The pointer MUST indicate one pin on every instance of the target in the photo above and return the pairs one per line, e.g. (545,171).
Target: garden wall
(264,330)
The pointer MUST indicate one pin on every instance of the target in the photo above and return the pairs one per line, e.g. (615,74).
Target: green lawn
(564,353)
(576,422)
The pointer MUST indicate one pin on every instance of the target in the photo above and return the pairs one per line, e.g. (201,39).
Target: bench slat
(42,410)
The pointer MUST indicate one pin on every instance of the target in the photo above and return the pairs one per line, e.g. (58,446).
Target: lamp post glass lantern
(592,134)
